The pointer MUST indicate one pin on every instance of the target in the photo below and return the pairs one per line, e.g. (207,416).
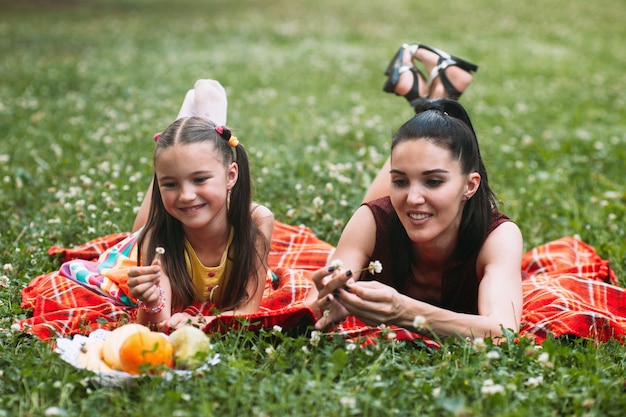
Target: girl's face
(428,191)
(194,184)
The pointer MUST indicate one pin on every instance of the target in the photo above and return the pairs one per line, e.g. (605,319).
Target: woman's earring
(228,200)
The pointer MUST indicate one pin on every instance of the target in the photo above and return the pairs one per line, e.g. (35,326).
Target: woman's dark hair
(446,123)
(162,229)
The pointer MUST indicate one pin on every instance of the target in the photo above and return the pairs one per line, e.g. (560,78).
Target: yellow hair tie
(233,141)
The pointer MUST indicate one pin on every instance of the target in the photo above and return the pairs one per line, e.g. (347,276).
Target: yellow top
(206,279)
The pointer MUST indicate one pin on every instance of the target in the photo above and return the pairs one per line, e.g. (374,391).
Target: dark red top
(459,287)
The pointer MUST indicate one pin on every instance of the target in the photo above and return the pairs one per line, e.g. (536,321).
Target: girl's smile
(194,184)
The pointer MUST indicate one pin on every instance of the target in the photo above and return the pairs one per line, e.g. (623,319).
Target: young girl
(200,215)
(451,262)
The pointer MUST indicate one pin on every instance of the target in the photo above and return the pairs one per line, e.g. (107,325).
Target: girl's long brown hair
(162,229)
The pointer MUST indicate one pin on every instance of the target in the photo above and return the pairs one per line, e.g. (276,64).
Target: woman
(451,262)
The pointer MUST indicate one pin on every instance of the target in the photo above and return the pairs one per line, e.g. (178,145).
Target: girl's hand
(182,319)
(144,281)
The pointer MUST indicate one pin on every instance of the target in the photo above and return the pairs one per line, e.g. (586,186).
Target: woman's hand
(372,302)
(144,282)
(328,280)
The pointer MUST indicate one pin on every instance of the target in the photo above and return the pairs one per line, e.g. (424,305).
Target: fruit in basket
(90,357)
(191,347)
(146,352)
(113,343)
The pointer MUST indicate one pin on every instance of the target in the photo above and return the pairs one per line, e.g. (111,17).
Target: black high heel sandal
(413,95)
(446,60)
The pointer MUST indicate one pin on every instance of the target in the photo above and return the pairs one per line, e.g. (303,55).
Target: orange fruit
(112,344)
(146,352)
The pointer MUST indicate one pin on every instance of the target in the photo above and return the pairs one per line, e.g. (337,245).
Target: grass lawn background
(84,85)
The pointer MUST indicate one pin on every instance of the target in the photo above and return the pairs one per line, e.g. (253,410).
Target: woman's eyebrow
(427,172)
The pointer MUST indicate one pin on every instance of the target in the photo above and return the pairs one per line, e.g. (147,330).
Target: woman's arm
(354,249)
(499,295)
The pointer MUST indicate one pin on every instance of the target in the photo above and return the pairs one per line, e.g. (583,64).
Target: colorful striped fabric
(568,290)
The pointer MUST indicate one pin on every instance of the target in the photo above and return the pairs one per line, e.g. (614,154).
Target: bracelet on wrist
(157,308)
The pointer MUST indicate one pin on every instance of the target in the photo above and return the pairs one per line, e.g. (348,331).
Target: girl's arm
(264,220)
(152,289)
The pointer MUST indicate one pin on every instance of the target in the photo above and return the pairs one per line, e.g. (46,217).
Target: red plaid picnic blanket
(568,289)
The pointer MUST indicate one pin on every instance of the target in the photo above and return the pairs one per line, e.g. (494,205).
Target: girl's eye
(200,180)
(168,185)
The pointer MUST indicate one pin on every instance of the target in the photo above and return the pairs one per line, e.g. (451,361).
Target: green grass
(85,84)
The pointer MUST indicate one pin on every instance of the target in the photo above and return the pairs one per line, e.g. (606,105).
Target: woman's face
(428,191)
(194,183)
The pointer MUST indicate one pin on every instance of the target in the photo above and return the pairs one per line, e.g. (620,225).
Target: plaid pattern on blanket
(568,290)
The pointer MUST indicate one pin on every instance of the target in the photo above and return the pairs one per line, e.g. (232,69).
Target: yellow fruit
(190,343)
(146,352)
(112,344)
(90,357)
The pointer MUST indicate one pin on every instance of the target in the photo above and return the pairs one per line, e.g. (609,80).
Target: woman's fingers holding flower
(328,279)
(372,302)
(332,312)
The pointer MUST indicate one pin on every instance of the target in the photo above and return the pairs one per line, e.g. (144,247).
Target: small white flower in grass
(4,281)
(419,322)
(479,344)
(318,202)
(54,411)
(436,392)
(490,388)
(277,328)
(544,359)
(493,355)
(392,335)
(7,268)
(534,382)
(214,360)
(588,402)
(347,402)
(351,346)
(315,338)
